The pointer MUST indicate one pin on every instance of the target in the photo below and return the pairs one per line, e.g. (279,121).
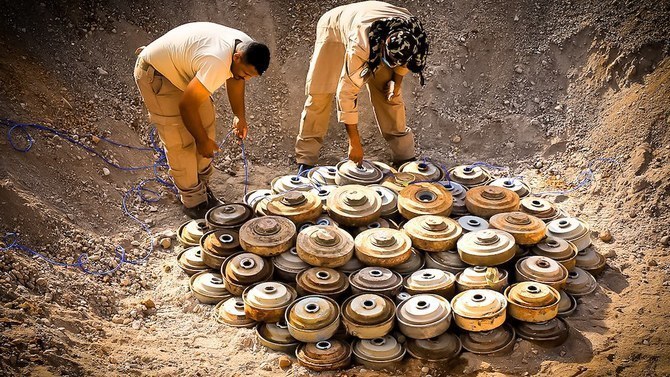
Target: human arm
(193,98)
(235,89)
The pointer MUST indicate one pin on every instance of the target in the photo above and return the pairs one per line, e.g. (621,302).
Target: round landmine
(379,223)
(288,183)
(217,245)
(424,199)
(325,246)
(457,192)
(433,233)
(377,280)
(441,283)
(276,337)
(580,283)
(323,175)
(471,223)
(532,301)
(482,277)
(322,281)
(541,270)
(386,169)
(190,232)
(571,229)
(515,184)
(190,261)
(351,266)
(469,175)
(400,297)
(389,200)
(296,206)
(252,198)
(368,316)
(427,170)
(567,305)
(231,312)
(413,264)
(399,181)
(383,247)
(489,247)
(354,205)
(496,342)
(446,260)
(378,353)
(424,316)
(442,348)
(228,216)
(551,333)
(323,192)
(526,229)
(268,235)
(208,288)
(267,301)
(288,264)
(540,208)
(563,252)
(350,173)
(479,309)
(486,201)
(324,355)
(313,318)
(325,220)
(591,261)
(241,270)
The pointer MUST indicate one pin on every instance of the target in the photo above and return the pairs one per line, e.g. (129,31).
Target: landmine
(389,262)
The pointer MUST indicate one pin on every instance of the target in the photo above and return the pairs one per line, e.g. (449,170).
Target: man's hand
(207,148)
(390,90)
(240,127)
(356,152)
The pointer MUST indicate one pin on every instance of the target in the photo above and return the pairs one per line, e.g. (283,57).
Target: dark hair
(256,54)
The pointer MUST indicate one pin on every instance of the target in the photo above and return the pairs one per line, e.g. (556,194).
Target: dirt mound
(541,87)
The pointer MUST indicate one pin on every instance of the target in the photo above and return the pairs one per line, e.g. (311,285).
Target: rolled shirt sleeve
(353,77)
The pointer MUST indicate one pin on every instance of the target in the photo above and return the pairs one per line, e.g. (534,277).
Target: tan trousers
(189,170)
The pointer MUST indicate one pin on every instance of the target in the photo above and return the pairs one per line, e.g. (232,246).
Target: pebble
(538,165)
(102,72)
(456,139)
(605,236)
(652,263)
(149,303)
(135,243)
(266,366)
(106,172)
(518,69)
(645,342)
(166,243)
(425,370)
(125,282)
(284,362)
(95,139)
(610,254)
(665,240)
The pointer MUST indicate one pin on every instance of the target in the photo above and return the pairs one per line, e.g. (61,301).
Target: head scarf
(407,43)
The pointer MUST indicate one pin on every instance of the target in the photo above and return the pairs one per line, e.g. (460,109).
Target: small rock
(610,254)
(284,362)
(665,240)
(102,72)
(645,342)
(425,370)
(135,243)
(95,139)
(563,353)
(652,263)
(149,303)
(125,282)
(558,107)
(166,243)
(538,165)
(518,69)
(456,139)
(136,325)
(605,236)
(266,366)
(106,172)
(516,18)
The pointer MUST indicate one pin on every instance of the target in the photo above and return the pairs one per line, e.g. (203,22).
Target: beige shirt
(350,25)
(199,49)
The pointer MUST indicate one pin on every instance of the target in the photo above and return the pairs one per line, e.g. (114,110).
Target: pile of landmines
(366,261)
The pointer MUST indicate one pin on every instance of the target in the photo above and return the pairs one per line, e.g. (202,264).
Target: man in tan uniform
(176,75)
(370,43)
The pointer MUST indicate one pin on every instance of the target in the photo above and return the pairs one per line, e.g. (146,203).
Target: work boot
(197,212)
(212,200)
(304,167)
(397,164)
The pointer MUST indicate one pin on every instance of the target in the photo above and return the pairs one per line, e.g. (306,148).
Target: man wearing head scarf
(373,44)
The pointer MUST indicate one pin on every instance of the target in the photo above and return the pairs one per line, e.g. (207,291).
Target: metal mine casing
(325,246)
(190,232)
(207,287)
(231,312)
(323,175)
(479,309)
(399,181)
(457,192)
(424,316)
(349,173)
(567,305)
(446,260)
(563,252)
(433,233)
(313,318)
(383,247)
(526,229)
(591,261)
(389,200)
(190,261)
(323,192)
(266,302)
(228,216)
(379,223)
(469,176)
(580,283)
(515,184)
(351,266)
(288,264)
(532,302)
(354,205)
(275,336)
(368,316)
(427,170)
(486,201)
(441,283)
(268,235)
(541,270)
(290,183)
(217,245)
(540,208)
(254,197)
(322,281)
(442,348)
(471,223)
(324,355)
(241,270)
(424,199)
(571,229)
(497,342)
(378,353)
(296,206)
(414,263)
(489,247)
(482,277)
(386,169)
(376,280)
(551,333)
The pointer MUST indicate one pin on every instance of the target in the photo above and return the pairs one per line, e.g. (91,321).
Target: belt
(145,66)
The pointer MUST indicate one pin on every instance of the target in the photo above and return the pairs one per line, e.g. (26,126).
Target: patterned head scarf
(406,43)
